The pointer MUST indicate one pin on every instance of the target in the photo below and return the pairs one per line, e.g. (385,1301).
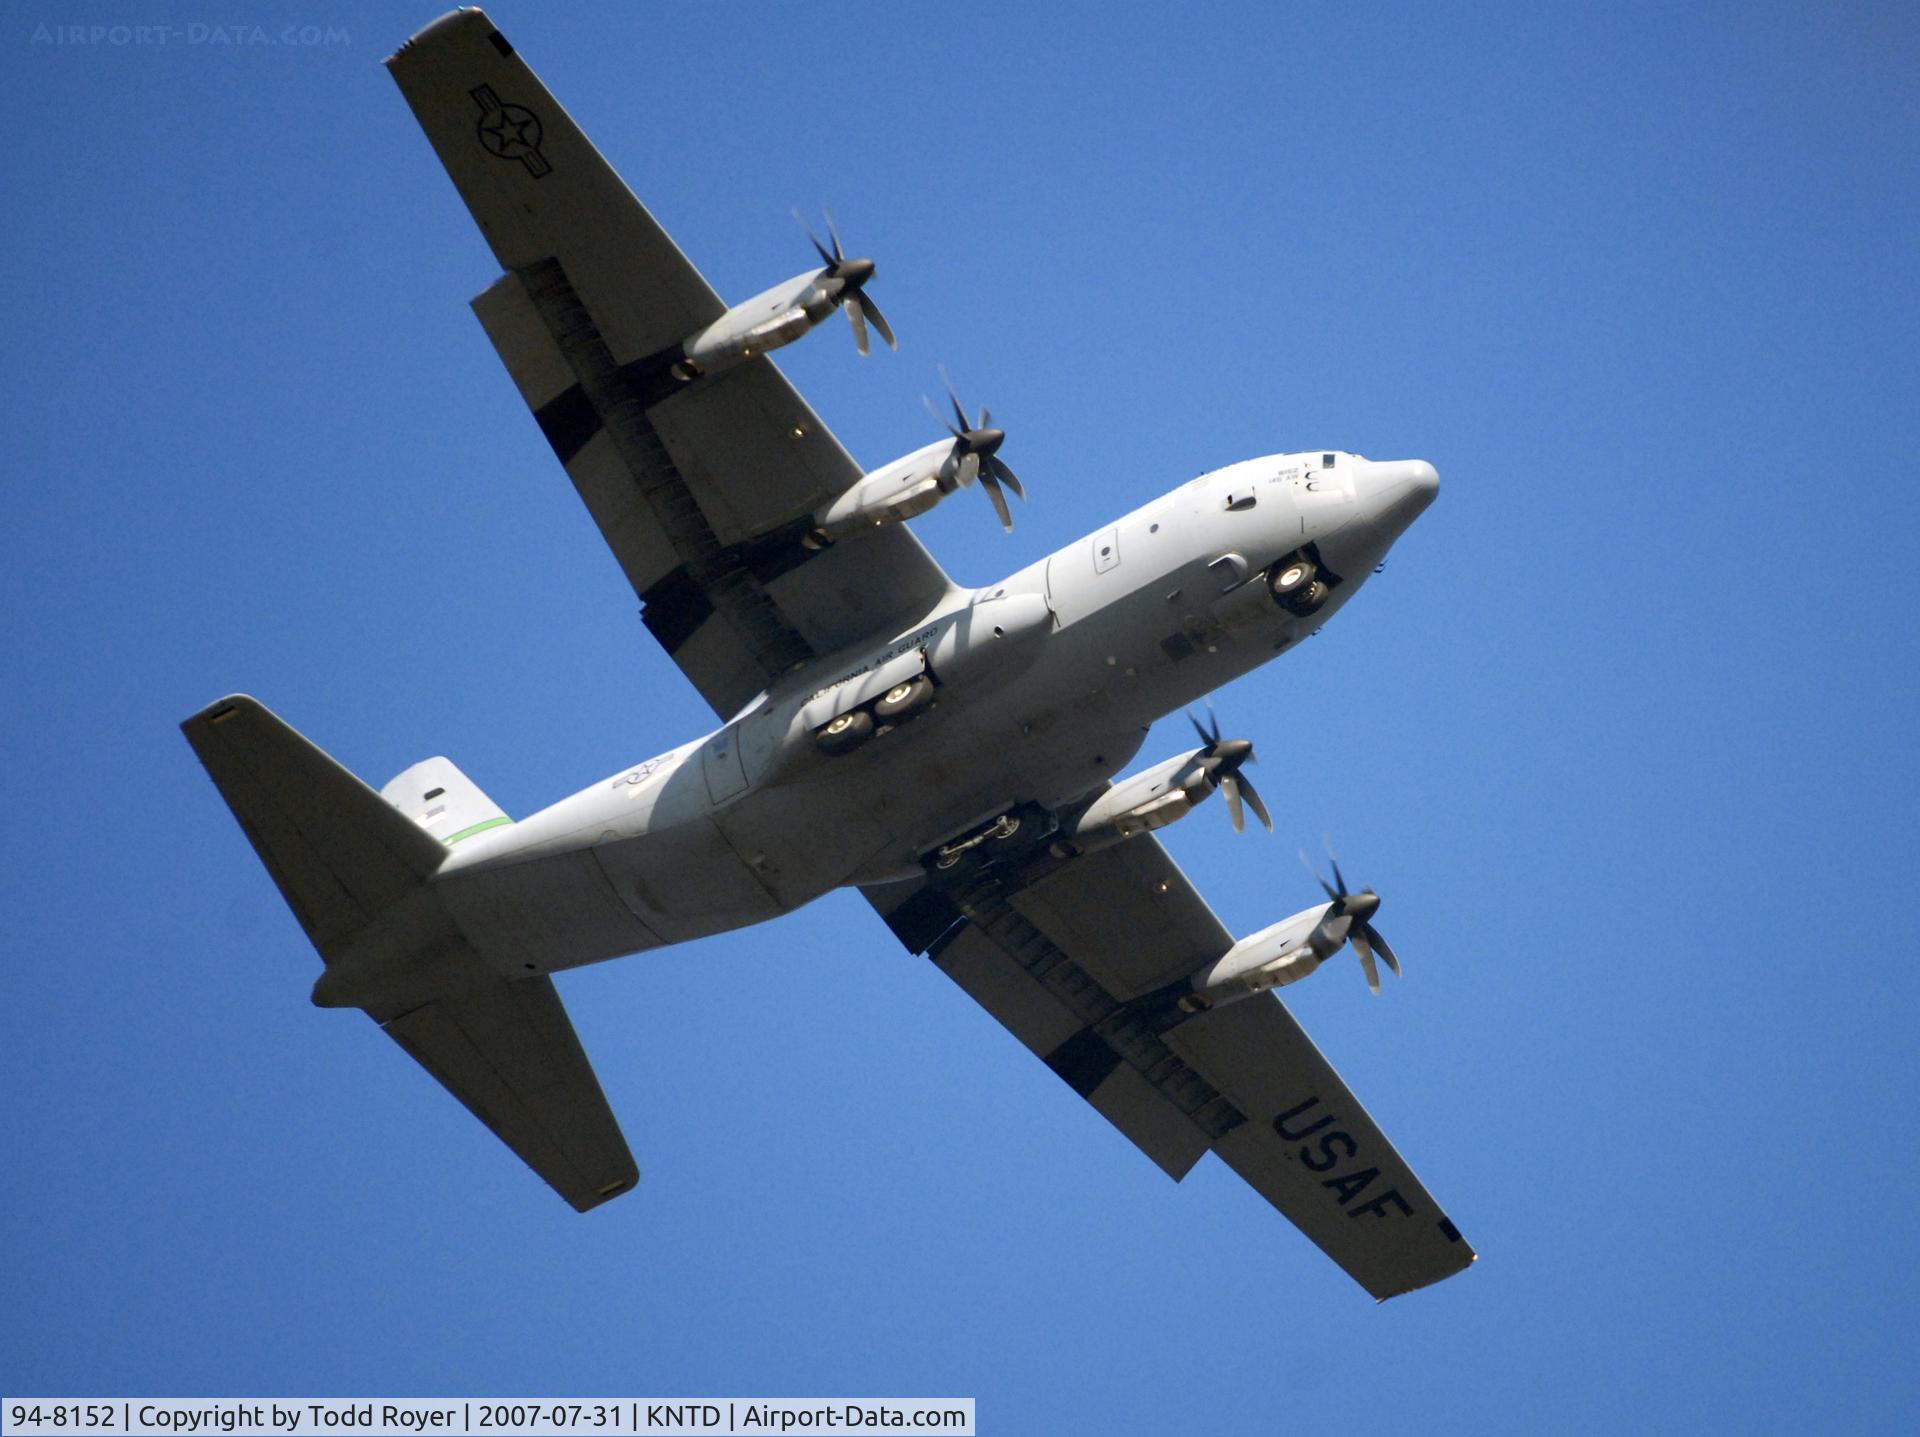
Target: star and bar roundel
(510,131)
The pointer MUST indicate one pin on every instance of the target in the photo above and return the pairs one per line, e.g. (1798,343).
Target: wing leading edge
(1058,956)
(701,490)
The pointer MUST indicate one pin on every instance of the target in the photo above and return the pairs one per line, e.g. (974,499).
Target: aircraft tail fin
(354,866)
(444,801)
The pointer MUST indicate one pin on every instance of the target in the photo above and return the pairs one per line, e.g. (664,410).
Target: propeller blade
(959,414)
(1252,796)
(876,319)
(1359,941)
(969,469)
(998,467)
(851,305)
(1339,879)
(838,253)
(1373,938)
(1307,863)
(938,418)
(992,486)
(1205,737)
(819,248)
(1231,790)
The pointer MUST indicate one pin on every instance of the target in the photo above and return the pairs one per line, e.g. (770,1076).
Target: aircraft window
(1236,502)
(1326,461)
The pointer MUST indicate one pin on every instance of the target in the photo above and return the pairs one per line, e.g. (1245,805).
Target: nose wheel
(1297,586)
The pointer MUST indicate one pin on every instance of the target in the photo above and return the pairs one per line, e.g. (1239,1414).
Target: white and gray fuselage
(1047,683)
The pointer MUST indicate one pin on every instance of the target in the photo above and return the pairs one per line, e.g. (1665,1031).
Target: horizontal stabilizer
(508,1051)
(339,852)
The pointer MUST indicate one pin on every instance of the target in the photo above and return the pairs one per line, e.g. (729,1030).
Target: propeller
(975,454)
(1220,760)
(1359,908)
(853,275)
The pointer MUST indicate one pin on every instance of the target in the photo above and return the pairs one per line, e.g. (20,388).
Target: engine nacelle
(772,318)
(1138,803)
(909,486)
(1284,953)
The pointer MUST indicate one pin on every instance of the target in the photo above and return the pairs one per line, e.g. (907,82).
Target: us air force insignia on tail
(510,131)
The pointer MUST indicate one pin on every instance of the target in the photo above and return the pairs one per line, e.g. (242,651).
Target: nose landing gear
(1296,585)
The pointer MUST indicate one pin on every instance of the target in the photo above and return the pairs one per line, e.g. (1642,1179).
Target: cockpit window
(1326,461)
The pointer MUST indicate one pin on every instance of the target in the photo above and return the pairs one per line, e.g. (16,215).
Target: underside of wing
(701,488)
(1067,955)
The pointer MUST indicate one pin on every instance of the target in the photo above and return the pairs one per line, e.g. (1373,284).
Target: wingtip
(220,710)
(440,25)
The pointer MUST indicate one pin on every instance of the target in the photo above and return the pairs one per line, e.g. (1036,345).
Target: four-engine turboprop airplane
(949,752)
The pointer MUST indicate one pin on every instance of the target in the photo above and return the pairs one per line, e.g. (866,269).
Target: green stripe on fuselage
(454,838)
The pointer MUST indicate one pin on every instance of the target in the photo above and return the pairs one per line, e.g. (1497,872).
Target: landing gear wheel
(1308,599)
(844,733)
(904,700)
(1290,578)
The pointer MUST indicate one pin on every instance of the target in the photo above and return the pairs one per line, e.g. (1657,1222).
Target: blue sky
(1625,733)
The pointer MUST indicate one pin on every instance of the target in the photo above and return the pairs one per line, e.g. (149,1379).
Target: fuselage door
(724,765)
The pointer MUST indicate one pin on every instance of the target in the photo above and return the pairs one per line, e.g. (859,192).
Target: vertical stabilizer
(444,802)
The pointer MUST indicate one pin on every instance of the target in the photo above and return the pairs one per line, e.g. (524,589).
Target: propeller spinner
(975,454)
(1221,760)
(852,275)
(1358,909)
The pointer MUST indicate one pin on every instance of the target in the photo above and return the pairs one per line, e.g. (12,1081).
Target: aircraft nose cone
(1399,491)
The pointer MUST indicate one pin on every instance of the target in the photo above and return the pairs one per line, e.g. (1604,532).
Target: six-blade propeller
(853,275)
(1221,760)
(975,454)
(1358,909)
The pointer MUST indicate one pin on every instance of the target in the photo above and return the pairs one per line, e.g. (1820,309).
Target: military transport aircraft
(949,752)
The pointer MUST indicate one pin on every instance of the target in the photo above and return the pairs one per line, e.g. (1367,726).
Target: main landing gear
(845,732)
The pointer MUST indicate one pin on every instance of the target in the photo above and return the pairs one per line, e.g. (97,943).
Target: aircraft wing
(1058,957)
(701,490)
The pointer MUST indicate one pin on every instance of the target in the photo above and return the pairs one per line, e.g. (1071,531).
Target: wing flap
(1063,1017)
(509,1053)
(1132,925)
